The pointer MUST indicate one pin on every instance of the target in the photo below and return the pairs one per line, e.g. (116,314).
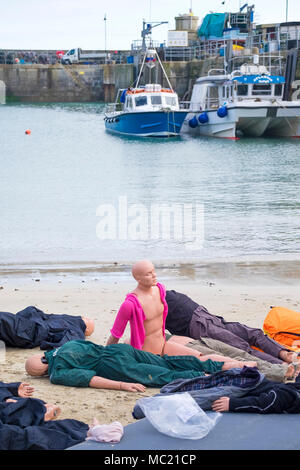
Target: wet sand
(238,293)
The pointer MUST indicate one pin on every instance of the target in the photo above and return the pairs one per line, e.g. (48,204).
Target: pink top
(132,311)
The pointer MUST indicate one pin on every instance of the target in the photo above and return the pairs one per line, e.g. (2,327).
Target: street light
(105,37)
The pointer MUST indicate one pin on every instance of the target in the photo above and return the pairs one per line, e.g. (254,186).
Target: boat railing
(184,104)
(212,103)
(114,107)
(219,72)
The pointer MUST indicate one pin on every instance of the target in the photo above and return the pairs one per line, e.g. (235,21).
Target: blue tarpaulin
(213,25)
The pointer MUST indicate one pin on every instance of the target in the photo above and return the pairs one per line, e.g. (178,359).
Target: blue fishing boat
(146,111)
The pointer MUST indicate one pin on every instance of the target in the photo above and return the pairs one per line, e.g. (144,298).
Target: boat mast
(141,69)
(168,81)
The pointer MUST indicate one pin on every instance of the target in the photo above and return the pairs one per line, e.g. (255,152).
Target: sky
(65,24)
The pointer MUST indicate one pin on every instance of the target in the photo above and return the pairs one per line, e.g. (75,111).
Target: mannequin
(31,327)
(146,310)
(11,392)
(80,363)
(90,326)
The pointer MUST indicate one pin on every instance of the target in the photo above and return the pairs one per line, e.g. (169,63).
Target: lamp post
(105,37)
(286,10)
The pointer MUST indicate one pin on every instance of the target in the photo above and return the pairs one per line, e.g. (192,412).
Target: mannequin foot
(288,356)
(293,371)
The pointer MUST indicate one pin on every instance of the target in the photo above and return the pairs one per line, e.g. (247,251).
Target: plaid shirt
(247,377)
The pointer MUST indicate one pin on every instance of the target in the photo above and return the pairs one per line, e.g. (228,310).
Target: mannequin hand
(25,390)
(222,404)
(128,387)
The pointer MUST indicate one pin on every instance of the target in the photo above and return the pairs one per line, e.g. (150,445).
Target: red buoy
(28,131)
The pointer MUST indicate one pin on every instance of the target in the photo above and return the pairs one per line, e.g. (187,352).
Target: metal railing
(269,43)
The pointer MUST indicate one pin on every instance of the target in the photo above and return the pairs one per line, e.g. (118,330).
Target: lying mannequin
(31,424)
(12,392)
(277,372)
(245,390)
(268,397)
(188,318)
(85,364)
(32,327)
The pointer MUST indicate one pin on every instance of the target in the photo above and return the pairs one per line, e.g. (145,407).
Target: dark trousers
(205,325)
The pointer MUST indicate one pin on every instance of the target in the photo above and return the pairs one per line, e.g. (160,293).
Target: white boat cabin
(249,83)
(152,97)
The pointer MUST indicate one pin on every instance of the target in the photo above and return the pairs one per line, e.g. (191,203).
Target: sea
(74,195)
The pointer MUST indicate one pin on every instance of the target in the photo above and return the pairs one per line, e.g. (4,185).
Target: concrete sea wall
(88,83)
(58,83)
(100,82)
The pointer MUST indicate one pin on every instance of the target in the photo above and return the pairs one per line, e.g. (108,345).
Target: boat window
(171,101)
(278,90)
(242,90)
(259,89)
(141,100)
(213,94)
(155,99)
(129,102)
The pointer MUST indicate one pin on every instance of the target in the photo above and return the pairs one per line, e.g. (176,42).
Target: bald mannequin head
(90,326)
(144,273)
(35,367)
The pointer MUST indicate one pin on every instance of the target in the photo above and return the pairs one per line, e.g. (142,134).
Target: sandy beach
(236,292)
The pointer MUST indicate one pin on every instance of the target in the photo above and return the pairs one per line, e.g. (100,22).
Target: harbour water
(57,181)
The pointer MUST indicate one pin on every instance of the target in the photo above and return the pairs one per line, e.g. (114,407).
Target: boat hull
(249,121)
(146,124)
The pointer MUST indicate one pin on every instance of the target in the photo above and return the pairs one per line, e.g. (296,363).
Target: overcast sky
(64,24)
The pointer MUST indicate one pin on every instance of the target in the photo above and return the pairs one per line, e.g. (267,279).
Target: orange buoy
(28,131)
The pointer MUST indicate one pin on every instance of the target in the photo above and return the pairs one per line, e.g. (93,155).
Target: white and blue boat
(146,111)
(245,103)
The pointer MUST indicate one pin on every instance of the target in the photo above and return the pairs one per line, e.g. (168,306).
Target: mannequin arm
(112,340)
(101,382)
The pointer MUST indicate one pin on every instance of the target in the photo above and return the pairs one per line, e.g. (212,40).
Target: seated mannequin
(31,327)
(146,310)
(118,366)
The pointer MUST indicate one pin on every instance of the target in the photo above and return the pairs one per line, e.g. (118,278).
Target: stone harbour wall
(58,83)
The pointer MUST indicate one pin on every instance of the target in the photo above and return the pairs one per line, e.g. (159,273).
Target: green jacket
(77,362)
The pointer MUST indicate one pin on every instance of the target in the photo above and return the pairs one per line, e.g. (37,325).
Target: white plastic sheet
(178,415)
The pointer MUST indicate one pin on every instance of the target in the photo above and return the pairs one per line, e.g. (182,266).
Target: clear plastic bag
(178,415)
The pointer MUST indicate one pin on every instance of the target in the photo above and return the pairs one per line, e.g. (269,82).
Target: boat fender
(222,111)
(203,118)
(193,122)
